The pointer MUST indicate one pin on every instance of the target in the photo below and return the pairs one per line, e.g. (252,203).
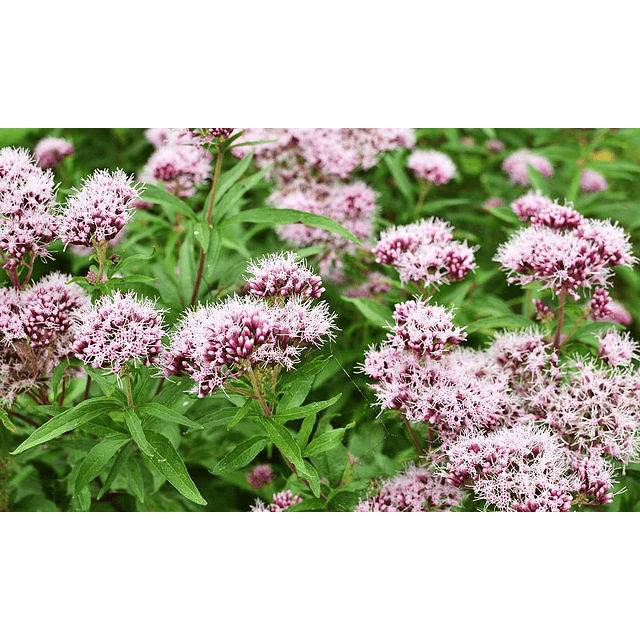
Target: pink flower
(516,166)
(566,260)
(119,329)
(616,312)
(544,313)
(50,152)
(538,210)
(522,468)
(433,166)
(260,476)
(594,478)
(495,145)
(281,502)
(617,349)
(592,181)
(205,136)
(27,197)
(600,304)
(417,488)
(283,275)
(529,205)
(98,212)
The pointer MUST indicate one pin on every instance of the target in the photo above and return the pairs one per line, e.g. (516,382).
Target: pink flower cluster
(37,333)
(281,502)
(617,349)
(540,211)
(96,214)
(205,136)
(425,251)
(181,166)
(417,488)
(516,166)
(592,181)
(50,152)
(27,221)
(225,340)
(119,329)
(260,476)
(432,166)
(300,155)
(521,468)
(566,259)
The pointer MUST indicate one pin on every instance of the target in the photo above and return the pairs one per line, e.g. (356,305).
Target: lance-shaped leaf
(169,415)
(68,421)
(241,455)
(97,458)
(159,195)
(170,465)
(289,216)
(137,432)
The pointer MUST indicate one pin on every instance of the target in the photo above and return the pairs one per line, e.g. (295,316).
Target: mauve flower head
(600,304)
(530,204)
(260,476)
(98,212)
(27,196)
(220,341)
(200,136)
(522,468)
(568,259)
(181,168)
(592,181)
(158,136)
(417,488)
(281,502)
(516,166)
(495,145)
(425,251)
(50,152)
(119,329)
(617,349)
(427,329)
(596,408)
(544,313)
(282,275)
(433,166)
(539,210)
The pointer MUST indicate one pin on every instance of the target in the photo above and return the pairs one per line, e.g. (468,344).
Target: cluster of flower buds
(50,152)
(281,502)
(264,331)
(36,332)
(425,251)
(206,136)
(538,210)
(592,181)
(260,476)
(119,329)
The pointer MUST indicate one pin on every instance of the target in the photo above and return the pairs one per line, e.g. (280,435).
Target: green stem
(212,197)
(424,189)
(562,297)
(412,434)
(127,387)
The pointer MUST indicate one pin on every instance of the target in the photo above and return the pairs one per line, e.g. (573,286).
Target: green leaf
(282,438)
(405,187)
(164,413)
(309,472)
(218,417)
(296,393)
(137,433)
(170,465)
(159,195)
(538,181)
(186,264)
(305,431)
(240,413)
(574,186)
(4,418)
(342,500)
(274,216)
(97,458)
(229,178)
(325,442)
(116,469)
(134,479)
(236,192)
(68,421)
(202,233)
(241,455)
(376,313)
(308,410)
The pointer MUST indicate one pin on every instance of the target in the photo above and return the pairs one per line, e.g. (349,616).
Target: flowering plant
(281,320)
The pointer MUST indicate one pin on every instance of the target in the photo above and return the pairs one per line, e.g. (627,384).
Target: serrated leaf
(376,313)
(96,459)
(325,442)
(159,195)
(164,413)
(273,216)
(169,463)
(137,432)
(68,421)
(241,455)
